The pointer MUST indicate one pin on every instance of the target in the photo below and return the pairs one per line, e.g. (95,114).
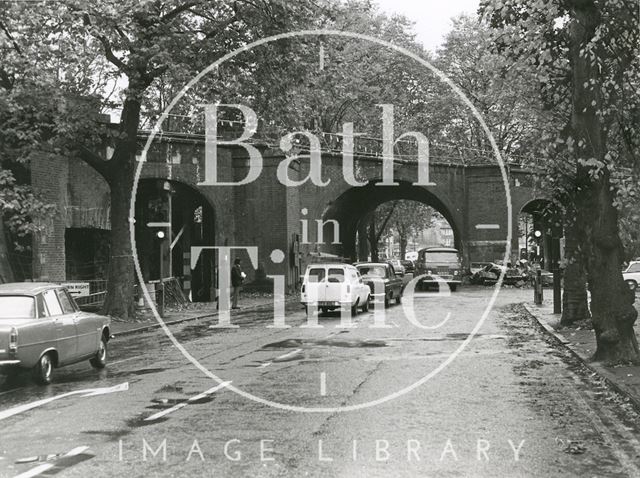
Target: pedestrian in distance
(237,278)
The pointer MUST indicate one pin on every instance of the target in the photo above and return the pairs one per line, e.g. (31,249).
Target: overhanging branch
(96,162)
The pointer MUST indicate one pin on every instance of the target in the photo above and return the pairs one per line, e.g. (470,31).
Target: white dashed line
(38,470)
(85,393)
(187,402)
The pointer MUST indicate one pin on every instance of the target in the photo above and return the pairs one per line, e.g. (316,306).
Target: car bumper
(7,365)
(333,304)
(436,280)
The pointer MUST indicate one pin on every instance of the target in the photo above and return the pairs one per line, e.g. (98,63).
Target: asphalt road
(411,399)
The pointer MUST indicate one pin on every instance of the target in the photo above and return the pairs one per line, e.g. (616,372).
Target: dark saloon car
(409,266)
(42,328)
(490,273)
(382,280)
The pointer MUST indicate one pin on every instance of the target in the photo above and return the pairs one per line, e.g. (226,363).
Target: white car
(334,286)
(632,275)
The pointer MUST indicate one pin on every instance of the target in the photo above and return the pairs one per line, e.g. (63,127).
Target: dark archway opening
(353,208)
(192,221)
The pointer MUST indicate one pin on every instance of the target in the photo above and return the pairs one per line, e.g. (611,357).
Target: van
(439,264)
(333,286)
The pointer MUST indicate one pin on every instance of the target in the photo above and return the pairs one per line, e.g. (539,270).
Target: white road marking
(286,356)
(487,226)
(125,360)
(89,392)
(200,396)
(323,384)
(47,466)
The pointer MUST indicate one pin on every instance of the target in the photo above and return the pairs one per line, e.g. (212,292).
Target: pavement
(194,311)
(581,342)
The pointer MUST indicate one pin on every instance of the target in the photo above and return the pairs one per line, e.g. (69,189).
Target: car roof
(439,249)
(26,288)
(371,264)
(328,264)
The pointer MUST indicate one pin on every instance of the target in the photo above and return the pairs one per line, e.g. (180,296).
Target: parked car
(398,267)
(631,275)
(333,286)
(491,272)
(42,328)
(383,282)
(442,263)
(476,267)
(409,266)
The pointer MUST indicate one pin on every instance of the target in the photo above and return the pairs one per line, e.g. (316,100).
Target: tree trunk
(373,239)
(6,272)
(574,297)
(363,242)
(611,301)
(119,300)
(403,246)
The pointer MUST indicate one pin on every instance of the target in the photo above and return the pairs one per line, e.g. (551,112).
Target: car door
(65,326)
(315,285)
(335,286)
(86,330)
(363,289)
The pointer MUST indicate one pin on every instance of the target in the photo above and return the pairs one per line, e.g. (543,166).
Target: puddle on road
(297,343)
(140,422)
(142,371)
(111,435)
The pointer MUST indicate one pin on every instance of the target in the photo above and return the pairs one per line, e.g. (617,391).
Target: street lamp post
(161,236)
(537,289)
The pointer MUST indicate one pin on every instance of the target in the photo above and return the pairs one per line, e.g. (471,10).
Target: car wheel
(386,300)
(453,287)
(354,308)
(100,359)
(365,306)
(43,370)
(633,285)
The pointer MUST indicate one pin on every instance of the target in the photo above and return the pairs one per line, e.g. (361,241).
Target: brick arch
(535,205)
(355,203)
(186,200)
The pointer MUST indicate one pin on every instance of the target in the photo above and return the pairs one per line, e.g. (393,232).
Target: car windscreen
(441,257)
(316,274)
(633,268)
(17,307)
(372,271)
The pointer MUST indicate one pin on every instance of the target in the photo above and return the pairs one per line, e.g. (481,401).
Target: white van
(334,286)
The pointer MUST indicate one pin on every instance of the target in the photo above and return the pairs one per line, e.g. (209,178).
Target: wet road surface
(408,399)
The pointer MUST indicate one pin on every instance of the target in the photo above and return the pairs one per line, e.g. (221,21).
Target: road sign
(78,289)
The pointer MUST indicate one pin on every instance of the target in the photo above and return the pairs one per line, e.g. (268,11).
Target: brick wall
(49,178)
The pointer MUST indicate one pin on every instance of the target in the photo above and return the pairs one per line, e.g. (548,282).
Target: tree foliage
(584,54)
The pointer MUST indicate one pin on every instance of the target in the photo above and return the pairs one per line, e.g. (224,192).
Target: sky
(432,17)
